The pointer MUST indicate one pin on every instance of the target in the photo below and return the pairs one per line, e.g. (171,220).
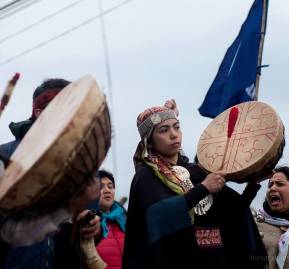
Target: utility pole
(109,87)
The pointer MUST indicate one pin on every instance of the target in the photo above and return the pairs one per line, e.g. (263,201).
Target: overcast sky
(159,49)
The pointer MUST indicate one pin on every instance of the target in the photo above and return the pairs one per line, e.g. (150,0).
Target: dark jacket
(38,255)
(18,129)
(160,234)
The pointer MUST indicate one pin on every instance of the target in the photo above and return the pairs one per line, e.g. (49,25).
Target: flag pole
(261,45)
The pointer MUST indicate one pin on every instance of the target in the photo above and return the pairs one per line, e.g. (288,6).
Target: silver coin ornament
(206,203)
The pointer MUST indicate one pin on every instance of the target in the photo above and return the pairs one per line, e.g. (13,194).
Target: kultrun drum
(254,148)
(61,151)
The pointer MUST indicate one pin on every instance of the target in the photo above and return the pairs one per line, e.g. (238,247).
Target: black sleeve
(250,192)
(197,193)
(66,254)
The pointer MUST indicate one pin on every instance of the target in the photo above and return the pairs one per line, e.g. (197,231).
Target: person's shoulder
(6,145)
(143,175)
(143,170)
(118,204)
(268,229)
(7,149)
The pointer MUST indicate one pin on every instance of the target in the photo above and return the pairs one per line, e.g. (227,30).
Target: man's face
(107,193)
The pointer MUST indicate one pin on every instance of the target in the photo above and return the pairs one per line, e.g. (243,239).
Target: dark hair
(103,173)
(52,83)
(282,169)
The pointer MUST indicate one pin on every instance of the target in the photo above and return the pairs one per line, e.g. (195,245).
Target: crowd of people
(178,216)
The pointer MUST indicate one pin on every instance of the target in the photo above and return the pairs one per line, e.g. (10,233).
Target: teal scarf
(117,214)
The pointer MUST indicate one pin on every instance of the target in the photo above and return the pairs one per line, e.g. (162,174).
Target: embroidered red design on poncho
(208,237)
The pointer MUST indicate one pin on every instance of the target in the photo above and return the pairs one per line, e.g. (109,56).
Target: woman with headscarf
(273,219)
(178,215)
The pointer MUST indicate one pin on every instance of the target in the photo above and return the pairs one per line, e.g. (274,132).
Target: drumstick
(233,116)
(8,92)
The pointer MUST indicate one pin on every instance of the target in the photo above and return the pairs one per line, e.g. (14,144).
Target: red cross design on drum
(257,142)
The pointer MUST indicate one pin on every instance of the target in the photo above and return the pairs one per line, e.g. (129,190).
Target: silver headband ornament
(146,127)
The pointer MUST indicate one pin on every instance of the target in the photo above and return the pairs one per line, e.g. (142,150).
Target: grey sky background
(159,49)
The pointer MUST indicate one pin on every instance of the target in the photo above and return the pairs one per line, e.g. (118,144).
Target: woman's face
(107,193)
(278,193)
(167,138)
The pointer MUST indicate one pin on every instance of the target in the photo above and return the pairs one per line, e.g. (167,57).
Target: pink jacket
(111,248)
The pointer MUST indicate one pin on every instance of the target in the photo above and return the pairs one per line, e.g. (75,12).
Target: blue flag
(236,77)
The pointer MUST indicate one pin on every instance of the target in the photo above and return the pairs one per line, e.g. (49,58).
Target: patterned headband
(151,117)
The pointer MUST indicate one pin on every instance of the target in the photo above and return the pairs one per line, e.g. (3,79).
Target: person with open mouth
(273,219)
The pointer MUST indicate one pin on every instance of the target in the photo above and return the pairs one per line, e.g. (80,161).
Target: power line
(21,7)
(64,33)
(26,28)
(17,7)
(10,4)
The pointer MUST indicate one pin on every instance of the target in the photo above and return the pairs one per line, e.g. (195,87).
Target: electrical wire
(7,14)
(28,27)
(10,4)
(64,33)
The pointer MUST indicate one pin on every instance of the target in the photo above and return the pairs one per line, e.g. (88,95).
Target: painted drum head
(254,148)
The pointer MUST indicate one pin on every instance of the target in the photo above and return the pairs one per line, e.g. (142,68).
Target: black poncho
(160,233)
